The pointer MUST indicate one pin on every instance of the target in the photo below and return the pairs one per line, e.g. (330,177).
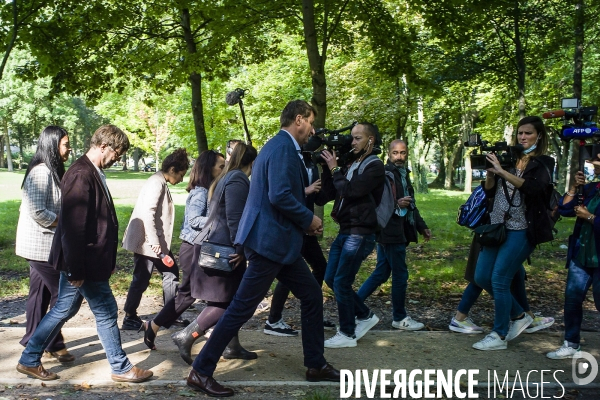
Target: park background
(428,72)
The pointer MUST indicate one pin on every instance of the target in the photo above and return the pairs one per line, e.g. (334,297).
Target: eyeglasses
(117,154)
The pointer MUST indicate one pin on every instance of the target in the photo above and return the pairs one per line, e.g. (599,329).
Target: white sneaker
(339,341)
(565,351)
(518,326)
(363,325)
(466,326)
(407,324)
(539,323)
(491,342)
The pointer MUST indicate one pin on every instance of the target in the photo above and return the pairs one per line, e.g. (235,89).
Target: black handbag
(215,255)
(490,234)
(493,235)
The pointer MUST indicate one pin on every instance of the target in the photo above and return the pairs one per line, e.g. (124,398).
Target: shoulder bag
(493,235)
(215,255)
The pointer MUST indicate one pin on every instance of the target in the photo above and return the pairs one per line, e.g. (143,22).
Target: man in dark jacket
(84,249)
(311,252)
(359,190)
(393,239)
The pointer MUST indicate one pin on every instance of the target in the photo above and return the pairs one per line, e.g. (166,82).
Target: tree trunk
(316,61)
(419,170)
(13,37)
(9,163)
(196,84)
(2,165)
(577,84)
(520,61)
(136,159)
(124,161)
(449,173)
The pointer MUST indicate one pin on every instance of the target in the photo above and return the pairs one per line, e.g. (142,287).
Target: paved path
(280,358)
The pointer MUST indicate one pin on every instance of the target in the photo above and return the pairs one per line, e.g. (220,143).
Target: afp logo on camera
(584,368)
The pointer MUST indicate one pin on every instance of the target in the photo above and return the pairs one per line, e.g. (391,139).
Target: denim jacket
(196,211)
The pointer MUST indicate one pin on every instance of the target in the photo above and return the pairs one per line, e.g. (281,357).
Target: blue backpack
(472,213)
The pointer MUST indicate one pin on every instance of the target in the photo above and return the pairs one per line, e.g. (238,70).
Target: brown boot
(184,340)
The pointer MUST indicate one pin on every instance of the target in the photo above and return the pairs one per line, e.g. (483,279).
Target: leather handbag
(492,235)
(216,256)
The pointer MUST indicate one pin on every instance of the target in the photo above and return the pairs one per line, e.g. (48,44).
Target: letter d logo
(583,365)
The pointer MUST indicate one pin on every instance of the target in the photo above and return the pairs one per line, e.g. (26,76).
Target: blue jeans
(346,254)
(102,303)
(472,292)
(495,270)
(579,280)
(391,259)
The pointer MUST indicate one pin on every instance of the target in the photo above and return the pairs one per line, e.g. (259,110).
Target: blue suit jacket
(275,215)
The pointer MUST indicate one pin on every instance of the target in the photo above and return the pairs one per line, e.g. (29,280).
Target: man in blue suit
(271,229)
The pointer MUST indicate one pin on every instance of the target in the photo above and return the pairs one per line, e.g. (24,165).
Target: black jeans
(43,293)
(142,271)
(313,254)
(256,282)
(177,305)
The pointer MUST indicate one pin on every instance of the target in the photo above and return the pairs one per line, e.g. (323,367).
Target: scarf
(408,212)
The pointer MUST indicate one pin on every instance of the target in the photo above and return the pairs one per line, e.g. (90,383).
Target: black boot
(184,340)
(235,351)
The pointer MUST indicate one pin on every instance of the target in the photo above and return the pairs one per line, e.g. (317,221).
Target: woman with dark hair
(38,218)
(228,194)
(519,197)
(149,235)
(207,167)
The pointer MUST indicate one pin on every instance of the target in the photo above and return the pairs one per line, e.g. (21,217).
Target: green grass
(436,268)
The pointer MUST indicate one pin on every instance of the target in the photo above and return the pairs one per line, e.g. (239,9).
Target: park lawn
(436,268)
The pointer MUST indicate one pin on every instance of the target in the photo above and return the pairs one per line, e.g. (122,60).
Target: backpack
(387,205)
(472,213)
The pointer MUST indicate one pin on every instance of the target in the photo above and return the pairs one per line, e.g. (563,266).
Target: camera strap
(509,200)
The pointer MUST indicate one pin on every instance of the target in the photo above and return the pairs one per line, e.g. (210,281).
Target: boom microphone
(235,96)
(552,114)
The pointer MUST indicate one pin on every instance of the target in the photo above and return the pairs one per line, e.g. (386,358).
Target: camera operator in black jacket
(358,191)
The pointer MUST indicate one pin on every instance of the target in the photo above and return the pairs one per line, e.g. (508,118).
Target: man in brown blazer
(84,249)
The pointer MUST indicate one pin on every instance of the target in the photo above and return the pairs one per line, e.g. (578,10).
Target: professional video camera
(333,140)
(578,121)
(506,155)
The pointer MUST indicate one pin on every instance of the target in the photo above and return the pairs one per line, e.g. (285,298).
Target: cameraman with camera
(357,195)
(582,260)
(519,197)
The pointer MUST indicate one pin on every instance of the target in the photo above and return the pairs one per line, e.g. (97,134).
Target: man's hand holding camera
(330,159)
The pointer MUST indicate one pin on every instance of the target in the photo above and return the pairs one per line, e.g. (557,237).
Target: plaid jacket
(39,208)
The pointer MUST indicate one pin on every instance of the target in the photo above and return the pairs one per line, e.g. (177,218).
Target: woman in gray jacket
(37,222)
(228,194)
(207,167)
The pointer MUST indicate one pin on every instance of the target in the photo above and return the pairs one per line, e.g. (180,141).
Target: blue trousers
(391,260)
(579,280)
(102,303)
(495,270)
(254,286)
(346,254)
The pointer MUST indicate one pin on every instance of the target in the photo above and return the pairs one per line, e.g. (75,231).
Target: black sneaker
(132,323)
(328,325)
(279,328)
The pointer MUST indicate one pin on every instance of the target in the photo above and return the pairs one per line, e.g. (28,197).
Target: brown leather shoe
(207,384)
(62,356)
(134,375)
(37,372)
(327,373)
